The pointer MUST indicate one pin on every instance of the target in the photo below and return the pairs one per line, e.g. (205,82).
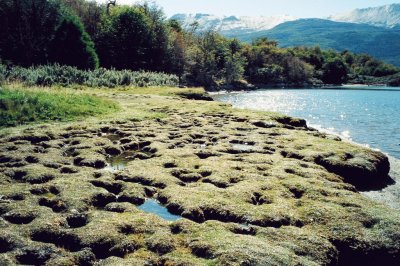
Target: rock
(196,96)
(291,121)
(263,124)
(368,170)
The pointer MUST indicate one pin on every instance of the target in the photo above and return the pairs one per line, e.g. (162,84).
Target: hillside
(374,30)
(379,42)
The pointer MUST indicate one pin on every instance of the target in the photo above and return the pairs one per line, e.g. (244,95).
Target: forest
(91,37)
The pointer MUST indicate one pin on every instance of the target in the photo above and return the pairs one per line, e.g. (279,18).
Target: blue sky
(297,8)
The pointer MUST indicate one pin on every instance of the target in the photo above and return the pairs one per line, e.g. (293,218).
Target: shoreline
(260,86)
(361,87)
(389,195)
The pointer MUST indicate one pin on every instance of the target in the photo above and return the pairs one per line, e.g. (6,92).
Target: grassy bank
(21,106)
(253,188)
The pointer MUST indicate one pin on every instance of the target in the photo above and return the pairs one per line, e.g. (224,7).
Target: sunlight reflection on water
(365,116)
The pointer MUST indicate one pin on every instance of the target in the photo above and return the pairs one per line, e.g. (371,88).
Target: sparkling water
(366,115)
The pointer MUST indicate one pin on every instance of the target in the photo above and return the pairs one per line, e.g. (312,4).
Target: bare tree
(110,3)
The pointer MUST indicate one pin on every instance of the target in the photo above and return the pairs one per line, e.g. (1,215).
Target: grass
(19,106)
(132,90)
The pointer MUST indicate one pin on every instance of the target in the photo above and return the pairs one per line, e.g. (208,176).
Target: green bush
(334,71)
(66,76)
(394,81)
(269,73)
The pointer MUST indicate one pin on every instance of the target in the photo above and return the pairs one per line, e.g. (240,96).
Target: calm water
(368,116)
(152,206)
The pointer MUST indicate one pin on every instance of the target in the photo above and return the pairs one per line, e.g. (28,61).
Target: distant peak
(382,16)
(232,23)
(201,15)
(231,18)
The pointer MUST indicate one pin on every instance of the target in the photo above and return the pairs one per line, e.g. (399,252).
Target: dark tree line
(34,32)
(87,35)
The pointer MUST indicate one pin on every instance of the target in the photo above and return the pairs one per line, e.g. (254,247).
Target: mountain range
(384,16)
(375,30)
(232,25)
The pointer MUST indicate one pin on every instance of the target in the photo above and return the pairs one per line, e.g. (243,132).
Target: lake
(366,115)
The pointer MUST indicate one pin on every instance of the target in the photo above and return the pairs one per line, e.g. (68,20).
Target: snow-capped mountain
(374,30)
(231,24)
(384,16)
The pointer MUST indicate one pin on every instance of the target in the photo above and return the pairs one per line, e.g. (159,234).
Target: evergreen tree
(72,45)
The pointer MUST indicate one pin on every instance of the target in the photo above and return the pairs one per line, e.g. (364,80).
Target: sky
(296,8)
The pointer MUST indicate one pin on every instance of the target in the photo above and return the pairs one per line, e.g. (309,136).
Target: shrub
(67,75)
(268,73)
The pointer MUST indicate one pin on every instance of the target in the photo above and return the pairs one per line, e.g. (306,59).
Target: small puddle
(119,163)
(243,147)
(112,137)
(153,206)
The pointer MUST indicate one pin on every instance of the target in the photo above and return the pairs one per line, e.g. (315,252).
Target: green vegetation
(68,76)
(378,42)
(337,68)
(80,50)
(36,32)
(265,190)
(140,38)
(23,106)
